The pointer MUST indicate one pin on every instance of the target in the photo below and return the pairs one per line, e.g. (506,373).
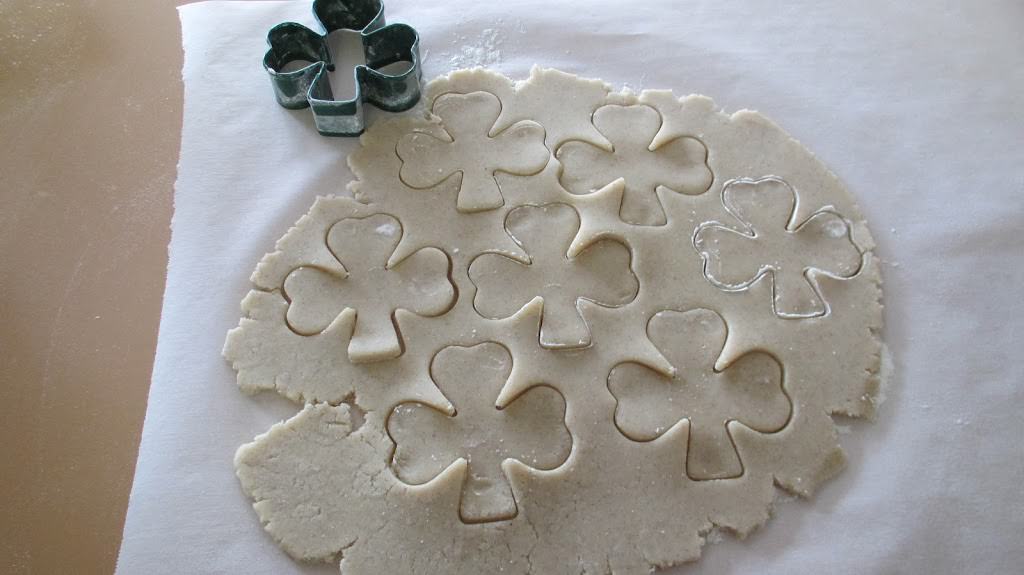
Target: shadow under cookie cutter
(383,44)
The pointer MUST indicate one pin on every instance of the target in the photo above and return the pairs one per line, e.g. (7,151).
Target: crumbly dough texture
(557,329)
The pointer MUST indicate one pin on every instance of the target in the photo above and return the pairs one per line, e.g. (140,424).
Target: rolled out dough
(557,329)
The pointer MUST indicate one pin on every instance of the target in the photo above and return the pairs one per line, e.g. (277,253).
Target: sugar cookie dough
(556,329)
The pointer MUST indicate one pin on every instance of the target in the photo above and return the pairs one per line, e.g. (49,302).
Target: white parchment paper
(917,106)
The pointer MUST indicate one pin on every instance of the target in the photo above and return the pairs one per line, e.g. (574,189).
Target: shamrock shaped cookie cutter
(383,44)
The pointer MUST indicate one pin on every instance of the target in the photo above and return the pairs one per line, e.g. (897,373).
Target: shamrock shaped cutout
(468,147)
(678,165)
(772,243)
(368,285)
(530,428)
(600,273)
(748,392)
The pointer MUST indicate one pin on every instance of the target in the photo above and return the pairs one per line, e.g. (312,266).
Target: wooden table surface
(90,119)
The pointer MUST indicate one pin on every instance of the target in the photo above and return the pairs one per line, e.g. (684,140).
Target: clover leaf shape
(369,286)
(294,45)
(468,147)
(678,165)
(749,392)
(530,429)
(772,243)
(600,273)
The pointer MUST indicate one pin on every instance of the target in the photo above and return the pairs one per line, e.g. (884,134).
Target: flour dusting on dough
(531,316)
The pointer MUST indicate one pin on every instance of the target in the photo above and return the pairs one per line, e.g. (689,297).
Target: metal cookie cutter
(383,44)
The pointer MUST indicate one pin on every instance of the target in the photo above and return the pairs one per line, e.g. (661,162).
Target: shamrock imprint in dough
(370,287)
(678,165)
(748,392)
(472,150)
(772,243)
(530,429)
(600,273)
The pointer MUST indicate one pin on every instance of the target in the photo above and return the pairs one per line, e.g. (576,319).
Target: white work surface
(917,106)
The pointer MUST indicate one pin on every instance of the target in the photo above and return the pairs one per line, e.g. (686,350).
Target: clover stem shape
(749,391)
(678,165)
(600,273)
(468,147)
(530,429)
(369,286)
(772,244)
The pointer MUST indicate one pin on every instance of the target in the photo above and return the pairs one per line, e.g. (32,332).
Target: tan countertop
(90,117)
